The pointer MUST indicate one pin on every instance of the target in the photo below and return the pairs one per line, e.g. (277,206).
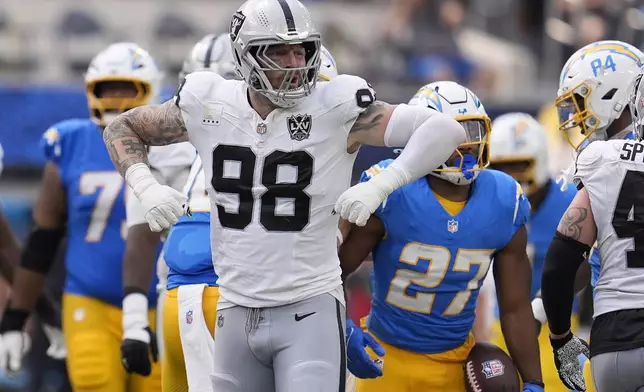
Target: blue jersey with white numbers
(187,250)
(430,265)
(95,210)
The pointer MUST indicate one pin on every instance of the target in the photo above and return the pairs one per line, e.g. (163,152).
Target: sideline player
(82,198)
(277,150)
(519,147)
(593,95)
(433,242)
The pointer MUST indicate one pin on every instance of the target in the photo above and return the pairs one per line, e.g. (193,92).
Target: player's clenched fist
(14,343)
(163,205)
(357,203)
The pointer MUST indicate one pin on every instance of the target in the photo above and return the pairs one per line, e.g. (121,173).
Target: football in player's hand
(490,369)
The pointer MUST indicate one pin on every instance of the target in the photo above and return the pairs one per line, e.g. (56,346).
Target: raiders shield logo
(236,25)
(299,126)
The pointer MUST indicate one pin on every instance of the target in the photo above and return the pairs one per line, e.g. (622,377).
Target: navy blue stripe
(288,15)
(343,349)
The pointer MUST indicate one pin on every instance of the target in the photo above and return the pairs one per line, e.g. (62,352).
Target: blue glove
(528,387)
(359,362)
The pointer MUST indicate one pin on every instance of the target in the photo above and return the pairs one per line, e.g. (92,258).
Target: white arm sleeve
(429,138)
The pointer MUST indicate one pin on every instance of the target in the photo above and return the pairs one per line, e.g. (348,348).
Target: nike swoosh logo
(302,317)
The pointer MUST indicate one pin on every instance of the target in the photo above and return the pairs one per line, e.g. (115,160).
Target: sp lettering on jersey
(299,126)
(236,25)
(212,114)
(630,151)
(452,226)
(493,368)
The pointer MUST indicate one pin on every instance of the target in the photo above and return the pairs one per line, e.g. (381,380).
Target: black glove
(137,350)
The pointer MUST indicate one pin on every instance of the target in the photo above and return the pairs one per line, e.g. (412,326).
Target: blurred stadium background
(509,52)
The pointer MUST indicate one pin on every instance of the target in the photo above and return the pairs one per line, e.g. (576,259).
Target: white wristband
(390,179)
(135,309)
(538,311)
(139,178)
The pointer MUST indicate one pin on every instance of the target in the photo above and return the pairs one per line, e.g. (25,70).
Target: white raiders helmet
(461,103)
(636,106)
(212,53)
(328,68)
(259,24)
(121,62)
(519,147)
(594,89)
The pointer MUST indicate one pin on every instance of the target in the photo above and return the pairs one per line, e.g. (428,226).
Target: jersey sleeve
(521,210)
(171,164)
(57,144)
(372,171)
(586,161)
(352,95)
(192,95)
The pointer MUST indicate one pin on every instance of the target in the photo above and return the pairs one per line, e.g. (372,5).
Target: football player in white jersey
(278,150)
(594,92)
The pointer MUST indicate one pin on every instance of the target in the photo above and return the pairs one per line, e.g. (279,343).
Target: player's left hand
(357,203)
(566,351)
(359,362)
(139,341)
(528,387)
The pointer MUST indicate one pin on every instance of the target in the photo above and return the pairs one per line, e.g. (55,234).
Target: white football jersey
(613,174)
(170,166)
(274,184)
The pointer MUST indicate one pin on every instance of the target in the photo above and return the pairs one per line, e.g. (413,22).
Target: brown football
(490,369)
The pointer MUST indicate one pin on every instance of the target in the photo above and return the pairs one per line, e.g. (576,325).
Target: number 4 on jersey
(628,217)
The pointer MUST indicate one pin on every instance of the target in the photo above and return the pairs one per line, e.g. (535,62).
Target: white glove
(357,203)
(57,348)
(13,347)
(163,205)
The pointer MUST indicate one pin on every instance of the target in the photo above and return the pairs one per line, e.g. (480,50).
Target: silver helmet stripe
(288,15)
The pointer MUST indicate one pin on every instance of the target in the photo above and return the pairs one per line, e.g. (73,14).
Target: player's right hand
(14,343)
(163,206)
(359,362)
(566,351)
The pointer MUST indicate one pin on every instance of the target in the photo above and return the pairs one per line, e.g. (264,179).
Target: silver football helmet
(259,24)
(212,53)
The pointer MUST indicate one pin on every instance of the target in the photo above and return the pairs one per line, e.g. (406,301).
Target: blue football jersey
(542,227)
(430,265)
(187,250)
(95,210)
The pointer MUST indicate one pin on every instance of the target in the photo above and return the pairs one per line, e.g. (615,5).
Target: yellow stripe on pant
(173,363)
(93,331)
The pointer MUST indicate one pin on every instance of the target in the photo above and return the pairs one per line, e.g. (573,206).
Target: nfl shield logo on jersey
(452,226)
(493,368)
(299,126)
(189,317)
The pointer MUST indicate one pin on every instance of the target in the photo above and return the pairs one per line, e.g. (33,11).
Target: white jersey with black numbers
(613,174)
(274,183)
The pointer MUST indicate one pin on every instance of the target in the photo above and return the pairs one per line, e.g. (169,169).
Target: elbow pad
(40,249)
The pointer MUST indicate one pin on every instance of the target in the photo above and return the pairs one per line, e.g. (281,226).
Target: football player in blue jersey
(518,147)
(82,199)
(433,242)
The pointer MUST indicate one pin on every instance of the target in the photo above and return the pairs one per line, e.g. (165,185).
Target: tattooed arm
(569,248)
(153,125)
(578,222)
